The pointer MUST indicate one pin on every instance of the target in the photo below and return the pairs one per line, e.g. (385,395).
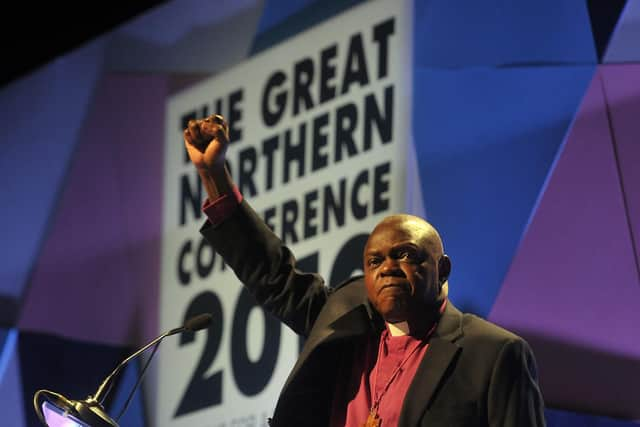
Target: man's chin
(394,309)
(395,316)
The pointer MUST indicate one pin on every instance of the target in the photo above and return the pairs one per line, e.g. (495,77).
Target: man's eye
(372,262)
(408,256)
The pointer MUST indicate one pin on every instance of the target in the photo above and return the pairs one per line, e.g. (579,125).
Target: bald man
(386,349)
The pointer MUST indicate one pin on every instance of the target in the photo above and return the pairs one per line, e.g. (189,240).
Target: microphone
(90,410)
(201,321)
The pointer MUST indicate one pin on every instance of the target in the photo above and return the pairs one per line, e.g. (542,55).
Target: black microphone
(90,410)
(196,323)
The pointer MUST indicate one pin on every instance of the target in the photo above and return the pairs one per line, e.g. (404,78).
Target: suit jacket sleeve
(268,268)
(514,395)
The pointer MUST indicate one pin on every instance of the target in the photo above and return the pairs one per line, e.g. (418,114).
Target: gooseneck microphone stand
(90,410)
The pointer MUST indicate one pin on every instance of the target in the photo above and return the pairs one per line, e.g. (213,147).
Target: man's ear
(444,268)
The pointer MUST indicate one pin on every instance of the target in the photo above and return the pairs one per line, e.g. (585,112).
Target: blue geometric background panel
(39,131)
(486,139)
(281,19)
(623,45)
(133,415)
(496,32)
(274,12)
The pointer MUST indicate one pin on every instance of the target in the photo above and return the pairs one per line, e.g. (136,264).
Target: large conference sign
(319,129)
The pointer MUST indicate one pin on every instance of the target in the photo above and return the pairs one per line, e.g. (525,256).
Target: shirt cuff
(223,207)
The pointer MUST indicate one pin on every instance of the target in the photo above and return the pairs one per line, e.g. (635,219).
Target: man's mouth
(392,285)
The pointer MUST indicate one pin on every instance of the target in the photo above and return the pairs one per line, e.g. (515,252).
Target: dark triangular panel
(8,310)
(604,16)
(10,382)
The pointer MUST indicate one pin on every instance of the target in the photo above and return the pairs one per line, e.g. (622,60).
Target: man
(384,350)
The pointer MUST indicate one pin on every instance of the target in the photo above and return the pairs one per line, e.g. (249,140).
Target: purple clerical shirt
(378,377)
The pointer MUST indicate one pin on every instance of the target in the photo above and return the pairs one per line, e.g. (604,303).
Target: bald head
(418,228)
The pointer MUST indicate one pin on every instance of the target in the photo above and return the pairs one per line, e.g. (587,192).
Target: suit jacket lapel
(353,318)
(441,353)
(334,338)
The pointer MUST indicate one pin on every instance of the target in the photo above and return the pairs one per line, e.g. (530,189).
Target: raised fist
(206,141)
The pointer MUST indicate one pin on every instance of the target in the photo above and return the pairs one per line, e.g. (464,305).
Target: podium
(57,417)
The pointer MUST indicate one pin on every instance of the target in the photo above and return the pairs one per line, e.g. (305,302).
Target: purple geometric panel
(572,289)
(97,277)
(622,92)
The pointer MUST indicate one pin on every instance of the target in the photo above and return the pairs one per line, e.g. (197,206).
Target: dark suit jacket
(473,374)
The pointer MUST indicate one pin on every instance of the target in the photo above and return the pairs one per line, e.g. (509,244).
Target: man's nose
(391,267)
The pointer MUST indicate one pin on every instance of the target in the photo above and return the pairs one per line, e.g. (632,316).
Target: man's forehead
(405,224)
(404,228)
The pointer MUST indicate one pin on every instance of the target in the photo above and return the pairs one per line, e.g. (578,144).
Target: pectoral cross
(373,420)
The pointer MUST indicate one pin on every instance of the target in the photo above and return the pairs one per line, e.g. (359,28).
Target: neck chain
(373,420)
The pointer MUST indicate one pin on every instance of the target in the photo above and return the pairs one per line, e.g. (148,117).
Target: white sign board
(320,130)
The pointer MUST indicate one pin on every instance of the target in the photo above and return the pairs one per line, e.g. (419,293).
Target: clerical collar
(418,327)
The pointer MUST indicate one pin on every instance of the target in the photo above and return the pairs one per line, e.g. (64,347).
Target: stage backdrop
(320,131)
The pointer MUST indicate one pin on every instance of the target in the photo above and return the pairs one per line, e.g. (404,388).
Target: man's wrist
(216,181)
(223,206)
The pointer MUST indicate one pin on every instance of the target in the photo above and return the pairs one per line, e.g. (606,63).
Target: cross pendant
(373,420)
